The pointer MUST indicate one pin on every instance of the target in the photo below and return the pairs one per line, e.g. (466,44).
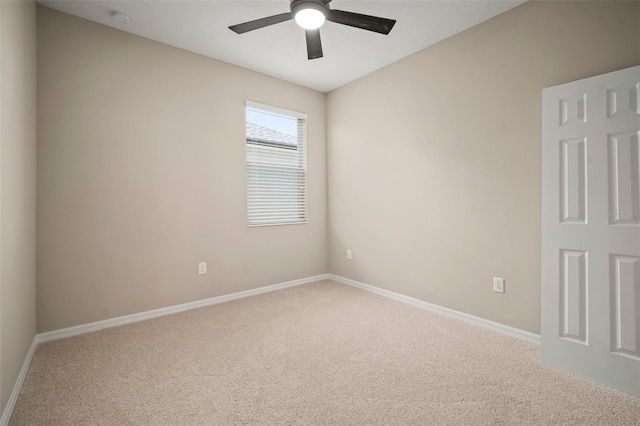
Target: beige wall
(141,175)
(434,161)
(433,166)
(17,189)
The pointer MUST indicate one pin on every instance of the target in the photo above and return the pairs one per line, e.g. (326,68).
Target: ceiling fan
(310,15)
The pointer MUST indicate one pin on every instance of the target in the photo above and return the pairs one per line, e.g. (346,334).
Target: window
(276,166)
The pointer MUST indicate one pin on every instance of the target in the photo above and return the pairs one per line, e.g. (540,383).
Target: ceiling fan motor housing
(319,5)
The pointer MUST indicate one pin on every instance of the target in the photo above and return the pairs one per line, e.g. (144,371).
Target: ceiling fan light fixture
(310,15)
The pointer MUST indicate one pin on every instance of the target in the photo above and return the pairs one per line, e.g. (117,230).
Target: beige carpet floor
(322,353)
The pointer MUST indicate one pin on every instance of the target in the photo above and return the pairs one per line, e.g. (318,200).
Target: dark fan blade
(314,45)
(365,22)
(260,23)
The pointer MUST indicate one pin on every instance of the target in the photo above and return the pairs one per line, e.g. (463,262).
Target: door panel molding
(591,228)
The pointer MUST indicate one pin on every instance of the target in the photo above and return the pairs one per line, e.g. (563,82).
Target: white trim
(276,110)
(127,319)
(495,326)
(8,409)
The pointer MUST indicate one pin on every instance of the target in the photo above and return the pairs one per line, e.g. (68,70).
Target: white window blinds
(276,166)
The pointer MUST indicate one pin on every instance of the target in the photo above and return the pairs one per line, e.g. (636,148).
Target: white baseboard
(127,319)
(501,328)
(8,409)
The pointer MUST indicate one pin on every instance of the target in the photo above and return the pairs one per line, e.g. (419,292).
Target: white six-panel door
(591,228)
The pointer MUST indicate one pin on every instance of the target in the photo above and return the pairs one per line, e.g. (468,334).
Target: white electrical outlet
(202,268)
(498,285)
(348,254)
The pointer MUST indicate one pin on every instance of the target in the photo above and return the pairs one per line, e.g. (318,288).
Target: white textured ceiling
(280,50)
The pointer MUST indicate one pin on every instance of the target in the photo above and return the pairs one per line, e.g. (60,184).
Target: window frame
(287,113)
